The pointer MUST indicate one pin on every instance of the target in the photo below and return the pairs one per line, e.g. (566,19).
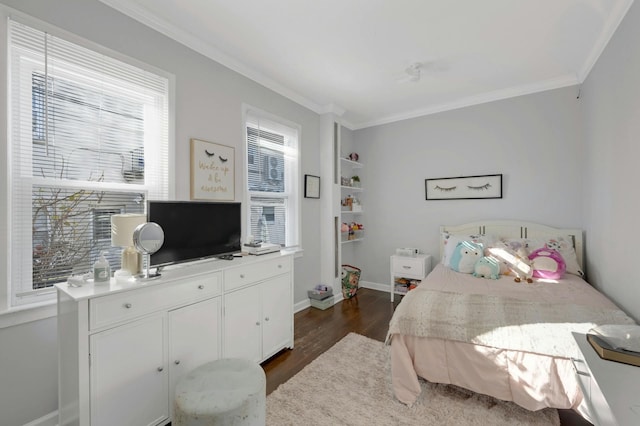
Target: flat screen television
(195,230)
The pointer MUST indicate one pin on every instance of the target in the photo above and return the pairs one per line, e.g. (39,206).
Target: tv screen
(195,230)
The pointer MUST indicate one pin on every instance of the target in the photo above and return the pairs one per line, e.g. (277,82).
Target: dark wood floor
(316,331)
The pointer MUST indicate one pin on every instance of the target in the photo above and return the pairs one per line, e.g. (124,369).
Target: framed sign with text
(212,171)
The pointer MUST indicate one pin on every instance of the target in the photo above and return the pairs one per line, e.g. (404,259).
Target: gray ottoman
(226,392)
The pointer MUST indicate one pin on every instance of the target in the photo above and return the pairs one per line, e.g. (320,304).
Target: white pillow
(449,241)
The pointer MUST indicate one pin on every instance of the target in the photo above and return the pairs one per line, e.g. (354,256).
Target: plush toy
(547,263)
(464,256)
(487,267)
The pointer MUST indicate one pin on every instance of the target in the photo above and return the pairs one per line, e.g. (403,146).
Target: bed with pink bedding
(505,339)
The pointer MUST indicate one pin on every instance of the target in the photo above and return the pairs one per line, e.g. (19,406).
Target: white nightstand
(412,268)
(611,389)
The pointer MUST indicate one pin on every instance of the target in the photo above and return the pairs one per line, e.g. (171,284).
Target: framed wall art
(464,188)
(311,186)
(212,171)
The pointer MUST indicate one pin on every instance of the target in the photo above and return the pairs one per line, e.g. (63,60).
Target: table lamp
(122,227)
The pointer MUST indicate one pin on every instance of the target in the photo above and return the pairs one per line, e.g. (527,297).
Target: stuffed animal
(487,267)
(547,263)
(464,256)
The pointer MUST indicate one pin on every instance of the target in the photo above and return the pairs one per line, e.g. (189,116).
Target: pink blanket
(532,379)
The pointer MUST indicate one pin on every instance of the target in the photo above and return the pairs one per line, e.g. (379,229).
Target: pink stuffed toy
(547,263)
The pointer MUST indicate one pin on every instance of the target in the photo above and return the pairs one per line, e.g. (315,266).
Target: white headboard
(517,229)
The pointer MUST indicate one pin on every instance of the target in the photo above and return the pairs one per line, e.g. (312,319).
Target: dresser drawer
(248,274)
(104,311)
(412,267)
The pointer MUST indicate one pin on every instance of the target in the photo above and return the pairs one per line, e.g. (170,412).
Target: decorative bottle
(101,270)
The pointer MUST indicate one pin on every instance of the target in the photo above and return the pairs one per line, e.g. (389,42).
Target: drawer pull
(280,266)
(200,286)
(176,362)
(406,267)
(575,361)
(127,305)
(241,275)
(257,322)
(266,319)
(160,368)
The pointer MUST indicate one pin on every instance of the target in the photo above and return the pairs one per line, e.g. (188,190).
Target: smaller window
(272,179)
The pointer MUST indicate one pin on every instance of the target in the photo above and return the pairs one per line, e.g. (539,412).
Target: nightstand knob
(127,305)
(200,286)
(160,368)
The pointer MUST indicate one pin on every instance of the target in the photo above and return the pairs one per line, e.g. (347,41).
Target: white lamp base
(132,261)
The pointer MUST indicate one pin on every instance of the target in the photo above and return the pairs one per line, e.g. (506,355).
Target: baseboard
(374,286)
(50,419)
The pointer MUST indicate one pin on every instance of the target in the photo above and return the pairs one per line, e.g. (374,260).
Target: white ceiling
(349,56)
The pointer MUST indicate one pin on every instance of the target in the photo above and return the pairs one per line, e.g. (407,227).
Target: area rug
(350,385)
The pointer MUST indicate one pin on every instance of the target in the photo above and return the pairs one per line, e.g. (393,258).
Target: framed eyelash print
(464,188)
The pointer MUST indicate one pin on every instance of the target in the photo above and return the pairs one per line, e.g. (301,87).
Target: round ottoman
(225,392)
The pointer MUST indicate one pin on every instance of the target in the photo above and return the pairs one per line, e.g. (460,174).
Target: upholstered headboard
(517,229)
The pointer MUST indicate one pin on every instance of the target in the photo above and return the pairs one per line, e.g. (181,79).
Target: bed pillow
(450,241)
(512,262)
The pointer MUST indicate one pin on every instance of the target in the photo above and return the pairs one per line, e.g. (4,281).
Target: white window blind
(272,179)
(88,138)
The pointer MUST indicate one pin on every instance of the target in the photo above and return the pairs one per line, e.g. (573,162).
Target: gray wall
(536,141)
(533,140)
(610,99)
(208,106)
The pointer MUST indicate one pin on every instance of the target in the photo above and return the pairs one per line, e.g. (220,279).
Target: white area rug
(350,385)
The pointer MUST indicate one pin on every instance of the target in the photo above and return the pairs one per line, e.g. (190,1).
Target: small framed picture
(311,186)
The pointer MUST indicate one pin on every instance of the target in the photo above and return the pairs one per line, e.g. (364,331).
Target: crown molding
(144,17)
(611,25)
(496,95)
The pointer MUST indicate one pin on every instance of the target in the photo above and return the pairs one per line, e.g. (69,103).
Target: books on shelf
(403,285)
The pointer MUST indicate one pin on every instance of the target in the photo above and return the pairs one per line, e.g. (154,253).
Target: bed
(498,337)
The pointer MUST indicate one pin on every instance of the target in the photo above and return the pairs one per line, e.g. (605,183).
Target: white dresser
(611,389)
(124,346)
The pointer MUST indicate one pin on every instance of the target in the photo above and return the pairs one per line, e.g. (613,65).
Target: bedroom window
(88,138)
(272,212)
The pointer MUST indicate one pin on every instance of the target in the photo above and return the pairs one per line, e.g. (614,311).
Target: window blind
(272,179)
(89,138)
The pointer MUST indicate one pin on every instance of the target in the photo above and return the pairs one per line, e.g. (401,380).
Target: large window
(88,139)
(272,179)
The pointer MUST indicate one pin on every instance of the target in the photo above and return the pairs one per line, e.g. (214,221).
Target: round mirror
(147,239)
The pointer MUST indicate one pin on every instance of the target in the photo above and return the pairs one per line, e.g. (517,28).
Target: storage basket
(350,280)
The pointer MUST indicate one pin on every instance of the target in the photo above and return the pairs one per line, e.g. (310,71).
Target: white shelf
(351,212)
(351,188)
(353,164)
(352,241)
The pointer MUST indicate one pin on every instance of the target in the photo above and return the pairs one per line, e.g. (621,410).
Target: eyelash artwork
(451,188)
(480,188)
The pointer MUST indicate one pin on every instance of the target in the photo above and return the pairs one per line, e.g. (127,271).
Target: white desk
(611,389)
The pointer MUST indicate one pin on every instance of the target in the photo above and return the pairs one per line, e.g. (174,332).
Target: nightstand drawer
(408,266)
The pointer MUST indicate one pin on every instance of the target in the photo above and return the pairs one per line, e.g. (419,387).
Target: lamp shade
(122,227)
